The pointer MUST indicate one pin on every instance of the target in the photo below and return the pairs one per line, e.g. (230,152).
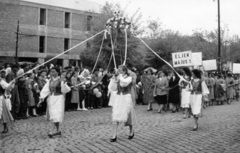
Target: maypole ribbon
(162,59)
(99,80)
(114,60)
(125,57)
(59,54)
(98,54)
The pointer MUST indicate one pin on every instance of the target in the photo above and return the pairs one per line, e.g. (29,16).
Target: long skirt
(113,96)
(185,98)
(161,99)
(196,104)
(55,110)
(5,114)
(230,92)
(211,94)
(122,107)
(75,96)
(31,99)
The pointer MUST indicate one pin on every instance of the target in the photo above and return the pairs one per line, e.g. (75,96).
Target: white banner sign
(230,66)
(236,68)
(197,58)
(210,65)
(182,59)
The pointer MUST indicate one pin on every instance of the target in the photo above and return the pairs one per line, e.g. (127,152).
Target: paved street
(219,132)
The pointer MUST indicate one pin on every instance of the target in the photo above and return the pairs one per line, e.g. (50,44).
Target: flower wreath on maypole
(117,23)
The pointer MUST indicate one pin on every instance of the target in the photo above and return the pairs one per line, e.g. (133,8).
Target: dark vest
(55,87)
(1,91)
(124,90)
(197,87)
(185,84)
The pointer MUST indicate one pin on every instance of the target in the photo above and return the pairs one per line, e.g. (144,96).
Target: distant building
(46,28)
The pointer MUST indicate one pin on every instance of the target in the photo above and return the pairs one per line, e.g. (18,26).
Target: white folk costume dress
(198,89)
(123,106)
(185,93)
(55,89)
(112,91)
(5,103)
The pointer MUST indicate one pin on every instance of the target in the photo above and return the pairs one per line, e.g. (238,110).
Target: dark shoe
(50,135)
(16,118)
(173,111)
(58,133)
(150,109)
(35,115)
(131,136)
(113,139)
(5,131)
(195,129)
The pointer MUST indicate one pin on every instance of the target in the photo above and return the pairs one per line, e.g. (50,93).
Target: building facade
(45,29)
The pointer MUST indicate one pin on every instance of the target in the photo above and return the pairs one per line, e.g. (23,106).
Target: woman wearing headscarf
(198,90)
(55,89)
(185,92)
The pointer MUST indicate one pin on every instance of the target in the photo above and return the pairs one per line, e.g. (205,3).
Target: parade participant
(198,90)
(174,93)
(123,103)
(185,93)
(55,89)
(160,90)
(5,103)
(148,81)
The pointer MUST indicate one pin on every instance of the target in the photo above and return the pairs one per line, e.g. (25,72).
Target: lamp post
(16,51)
(219,39)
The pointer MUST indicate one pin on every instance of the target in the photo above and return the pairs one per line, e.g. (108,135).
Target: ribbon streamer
(99,80)
(114,60)
(59,55)
(98,55)
(125,57)
(162,59)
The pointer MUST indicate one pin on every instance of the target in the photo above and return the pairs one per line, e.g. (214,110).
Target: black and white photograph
(119,76)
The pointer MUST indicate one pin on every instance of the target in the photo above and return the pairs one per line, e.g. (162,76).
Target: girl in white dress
(185,92)
(199,90)
(55,89)
(5,103)
(122,103)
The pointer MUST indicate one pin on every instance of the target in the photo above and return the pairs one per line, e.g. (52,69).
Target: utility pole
(16,51)
(219,39)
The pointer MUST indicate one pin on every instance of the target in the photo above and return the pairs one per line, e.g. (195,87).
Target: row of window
(42,44)
(67,21)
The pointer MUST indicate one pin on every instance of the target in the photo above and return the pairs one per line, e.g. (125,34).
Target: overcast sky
(187,15)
